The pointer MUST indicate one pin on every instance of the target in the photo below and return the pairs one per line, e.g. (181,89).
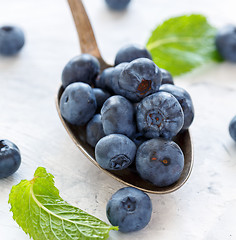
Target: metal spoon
(128,176)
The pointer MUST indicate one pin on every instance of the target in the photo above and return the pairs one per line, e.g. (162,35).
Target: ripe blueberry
(226,42)
(115,152)
(78,103)
(159,115)
(94,130)
(117,5)
(82,68)
(101,96)
(103,80)
(10,158)
(159,161)
(117,116)
(130,209)
(166,77)
(232,128)
(184,100)
(12,39)
(131,52)
(140,78)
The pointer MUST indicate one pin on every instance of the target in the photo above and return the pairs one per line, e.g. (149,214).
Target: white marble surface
(205,207)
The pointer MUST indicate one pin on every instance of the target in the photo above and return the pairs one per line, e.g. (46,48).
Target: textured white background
(205,207)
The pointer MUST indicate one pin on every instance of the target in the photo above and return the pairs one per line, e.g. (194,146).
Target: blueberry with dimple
(140,78)
(226,42)
(94,130)
(159,161)
(10,158)
(184,100)
(101,96)
(117,5)
(131,52)
(232,128)
(159,115)
(12,40)
(130,209)
(82,68)
(166,77)
(103,80)
(115,152)
(78,103)
(118,116)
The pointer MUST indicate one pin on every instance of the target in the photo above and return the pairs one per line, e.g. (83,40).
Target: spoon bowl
(127,176)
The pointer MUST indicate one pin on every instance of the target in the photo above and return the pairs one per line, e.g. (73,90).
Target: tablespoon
(127,176)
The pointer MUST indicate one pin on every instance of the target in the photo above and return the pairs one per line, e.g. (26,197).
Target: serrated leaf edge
(50,213)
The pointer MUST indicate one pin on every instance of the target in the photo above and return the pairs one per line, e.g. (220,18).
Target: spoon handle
(85,32)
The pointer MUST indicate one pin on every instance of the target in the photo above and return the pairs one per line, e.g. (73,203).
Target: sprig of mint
(183,43)
(43,214)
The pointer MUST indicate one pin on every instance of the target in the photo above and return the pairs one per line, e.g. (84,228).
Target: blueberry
(10,158)
(140,78)
(159,115)
(184,100)
(108,80)
(117,5)
(12,40)
(94,130)
(101,96)
(138,139)
(166,77)
(82,68)
(103,81)
(232,128)
(226,42)
(115,152)
(114,84)
(159,161)
(131,52)
(117,116)
(78,103)
(130,209)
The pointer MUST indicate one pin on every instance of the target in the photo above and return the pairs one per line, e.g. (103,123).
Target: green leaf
(43,214)
(183,43)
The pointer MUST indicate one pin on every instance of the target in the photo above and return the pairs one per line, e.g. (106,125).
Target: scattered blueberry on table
(10,158)
(226,42)
(232,128)
(12,39)
(130,209)
(117,5)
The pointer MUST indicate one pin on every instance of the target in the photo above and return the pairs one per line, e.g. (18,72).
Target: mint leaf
(183,43)
(43,214)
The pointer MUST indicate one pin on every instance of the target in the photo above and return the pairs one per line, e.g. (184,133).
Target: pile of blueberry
(131,112)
